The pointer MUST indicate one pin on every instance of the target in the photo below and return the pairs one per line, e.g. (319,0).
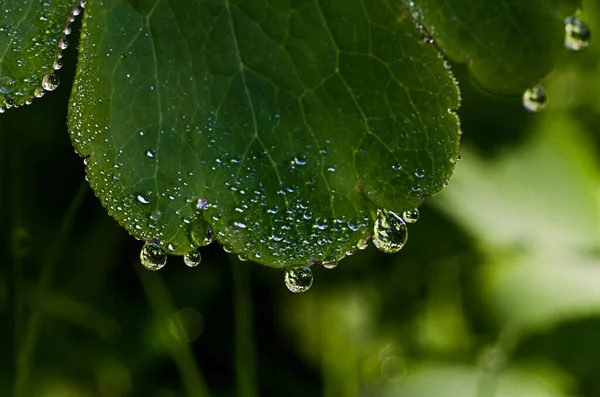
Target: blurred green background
(497,293)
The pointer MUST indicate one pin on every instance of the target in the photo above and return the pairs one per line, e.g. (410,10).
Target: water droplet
(144,198)
(321,223)
(50,82)
(150,153)
(411,216)
(390,232)
(153,257)
(192,258)
(64,43)
(239,224)
(156,215)
(202,234)
(203,203)
(300,159)
(39,92)
(57,64)
(298,279)
(577,34)
(535,99)
(243,257)
(7,85)
(330,265)
(362,244)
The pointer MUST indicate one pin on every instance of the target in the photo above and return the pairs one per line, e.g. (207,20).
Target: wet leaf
(32,36)
(508,45)
(280,126)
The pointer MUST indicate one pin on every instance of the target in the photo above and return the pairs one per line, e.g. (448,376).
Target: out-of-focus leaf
(509,45)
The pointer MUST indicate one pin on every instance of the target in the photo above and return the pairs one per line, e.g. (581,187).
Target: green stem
(245,363)
(25,356)
(164,310)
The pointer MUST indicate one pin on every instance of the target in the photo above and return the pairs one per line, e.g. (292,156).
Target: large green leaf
(32,36)
(509,45)
(283,125)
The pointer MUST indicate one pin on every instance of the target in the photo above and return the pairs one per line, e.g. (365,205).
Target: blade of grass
(245,363)
(164,309)
(25,355)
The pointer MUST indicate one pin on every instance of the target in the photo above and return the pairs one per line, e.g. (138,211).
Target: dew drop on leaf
(535,99)
(298,279)
(153,257)
(331,265)
(7,85)
(577,34)
(192,258)
(50,82)
(390,232)
(411,216)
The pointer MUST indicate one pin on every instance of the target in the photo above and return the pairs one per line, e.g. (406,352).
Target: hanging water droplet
(7,85)
(535,99)
(330,265)
(362,244)
(298,279)
(243,257)
(50,82)
(153,257)
(57,64)
(192,258)
(577,34)
(39,92)
(411,216)
(390,232)
(64,43)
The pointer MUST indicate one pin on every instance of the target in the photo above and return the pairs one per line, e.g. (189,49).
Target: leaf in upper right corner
(509,45)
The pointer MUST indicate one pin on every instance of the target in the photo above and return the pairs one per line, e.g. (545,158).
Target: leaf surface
(281,125)
(509,45)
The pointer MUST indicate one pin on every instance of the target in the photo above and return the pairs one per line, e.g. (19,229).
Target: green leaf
(291,122)
(32,36)
(508,45)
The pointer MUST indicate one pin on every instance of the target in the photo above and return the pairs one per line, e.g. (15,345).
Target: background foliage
(495,294)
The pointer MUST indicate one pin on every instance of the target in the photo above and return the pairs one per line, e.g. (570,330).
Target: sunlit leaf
(283,126)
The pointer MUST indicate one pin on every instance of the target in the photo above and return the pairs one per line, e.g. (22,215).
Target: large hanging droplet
(192,258)
(298,279)
(153,257)
(577,34)
(50,82)
(390,232)
(535,99)
(411,216)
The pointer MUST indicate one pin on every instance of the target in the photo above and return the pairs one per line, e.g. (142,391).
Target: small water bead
(50,82)
(39,92)
(7,85)
(243,257)
(321,223)
(57,64)
(298,279)
(202,203)
(577,34)
(362,244)
(300,159)
(150,153)
(330,265)
(64,44)
(535,99)
(411,216)
(192,258)
(144,198)
(390,232)
(152,256)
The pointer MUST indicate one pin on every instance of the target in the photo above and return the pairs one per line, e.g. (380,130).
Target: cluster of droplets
(389,235)
(577,38)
